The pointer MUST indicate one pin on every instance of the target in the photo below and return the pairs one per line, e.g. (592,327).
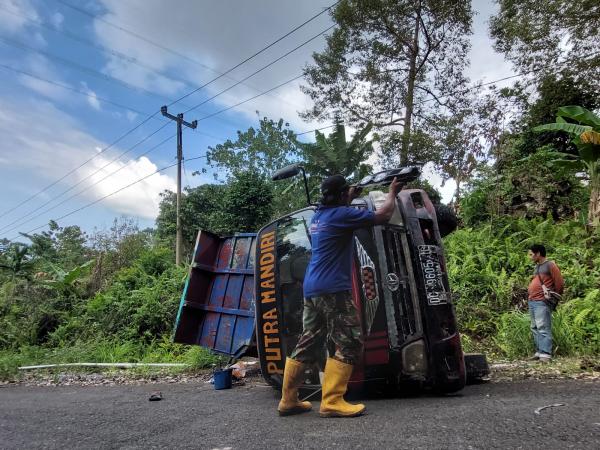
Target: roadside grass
(106,351)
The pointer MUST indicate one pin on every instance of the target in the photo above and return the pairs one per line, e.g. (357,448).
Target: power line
(4,228)
(261,69)
(181,55)
(249,99)
(96,97)
(88,70)
(139,180)
(123,136)
(91,43)
(118,157)
(122,56)
(147,119)
(70,88)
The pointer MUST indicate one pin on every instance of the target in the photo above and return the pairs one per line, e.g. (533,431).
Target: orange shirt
(550,274)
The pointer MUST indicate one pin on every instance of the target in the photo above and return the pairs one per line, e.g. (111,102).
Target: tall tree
(198,207)
(247,204)
(464,138)
(539,36)
(263,150)
(385,58)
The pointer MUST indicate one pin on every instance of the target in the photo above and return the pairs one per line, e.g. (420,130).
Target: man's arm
(384,214)
(557,279)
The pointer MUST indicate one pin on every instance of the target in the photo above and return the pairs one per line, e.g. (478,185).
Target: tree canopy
(540,36)
(388,61)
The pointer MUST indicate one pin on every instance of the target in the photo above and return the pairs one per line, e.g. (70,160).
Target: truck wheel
(446,218)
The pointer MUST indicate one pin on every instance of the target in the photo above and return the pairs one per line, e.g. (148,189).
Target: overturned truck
(244,295)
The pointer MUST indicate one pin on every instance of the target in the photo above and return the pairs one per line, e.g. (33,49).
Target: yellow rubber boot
(292,378)
(335,383)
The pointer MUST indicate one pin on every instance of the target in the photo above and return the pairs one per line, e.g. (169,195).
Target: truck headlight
(414,360)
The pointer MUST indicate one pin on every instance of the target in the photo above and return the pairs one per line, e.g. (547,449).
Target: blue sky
(48,130)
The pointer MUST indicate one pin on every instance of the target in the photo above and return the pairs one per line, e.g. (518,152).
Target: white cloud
(40,66)
(92,97)
(131,116)
(140,200)
(219,37)
(14,23)
(57,20)
(56,144)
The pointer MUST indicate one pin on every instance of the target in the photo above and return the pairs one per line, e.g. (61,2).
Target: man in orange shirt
(548,273)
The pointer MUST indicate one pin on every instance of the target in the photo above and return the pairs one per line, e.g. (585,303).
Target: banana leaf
(579,114)
(570,128)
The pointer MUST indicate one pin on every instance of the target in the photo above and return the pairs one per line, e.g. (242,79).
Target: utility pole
(179,119)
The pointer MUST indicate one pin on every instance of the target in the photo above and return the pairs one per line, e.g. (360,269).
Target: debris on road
(541,408)
(243,368)
(155,396)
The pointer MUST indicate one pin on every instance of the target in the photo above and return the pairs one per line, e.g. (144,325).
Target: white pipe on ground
(117,365)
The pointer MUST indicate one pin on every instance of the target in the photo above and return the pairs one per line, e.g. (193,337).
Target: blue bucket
(222,379)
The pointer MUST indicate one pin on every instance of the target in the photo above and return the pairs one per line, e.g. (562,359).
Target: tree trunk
(594,206)
(410,91)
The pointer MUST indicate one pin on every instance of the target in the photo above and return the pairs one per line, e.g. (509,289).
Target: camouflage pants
(330,319)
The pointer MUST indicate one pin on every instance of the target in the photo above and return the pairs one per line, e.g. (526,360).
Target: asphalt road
(491,415)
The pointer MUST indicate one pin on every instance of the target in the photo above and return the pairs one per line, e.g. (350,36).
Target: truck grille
(403,304)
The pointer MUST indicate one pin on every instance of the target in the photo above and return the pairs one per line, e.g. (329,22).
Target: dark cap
(333,185)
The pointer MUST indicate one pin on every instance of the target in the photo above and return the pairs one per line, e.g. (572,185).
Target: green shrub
(575,329)
(514,335)
(490,271)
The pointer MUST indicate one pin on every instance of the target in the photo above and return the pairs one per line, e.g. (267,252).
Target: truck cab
(400,287)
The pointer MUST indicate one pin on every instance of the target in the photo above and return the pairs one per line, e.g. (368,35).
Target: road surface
(485,416)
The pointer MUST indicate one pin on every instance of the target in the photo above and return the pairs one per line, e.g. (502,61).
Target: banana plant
(17,261)
(585,134)
(333,154)
(63,280)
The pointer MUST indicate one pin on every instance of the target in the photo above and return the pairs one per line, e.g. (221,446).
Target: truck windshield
(293,254)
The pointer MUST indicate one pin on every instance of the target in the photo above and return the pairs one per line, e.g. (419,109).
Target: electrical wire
(122,56)
(84,69)
(6,228)
(181,55)
(249,99)
(147,119)
(70,88)
(139,180)
(218,94)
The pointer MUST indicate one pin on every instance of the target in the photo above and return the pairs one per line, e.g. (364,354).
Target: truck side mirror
(286,172)
(291,171)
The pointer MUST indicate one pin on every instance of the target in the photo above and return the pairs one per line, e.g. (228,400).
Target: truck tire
(477,367)
(446,218)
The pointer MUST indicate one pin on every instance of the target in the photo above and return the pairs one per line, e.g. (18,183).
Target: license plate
(432,275)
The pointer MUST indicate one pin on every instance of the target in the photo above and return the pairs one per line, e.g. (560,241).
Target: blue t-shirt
(330,266)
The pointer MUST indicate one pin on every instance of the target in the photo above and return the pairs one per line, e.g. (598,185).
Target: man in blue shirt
(329,312)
